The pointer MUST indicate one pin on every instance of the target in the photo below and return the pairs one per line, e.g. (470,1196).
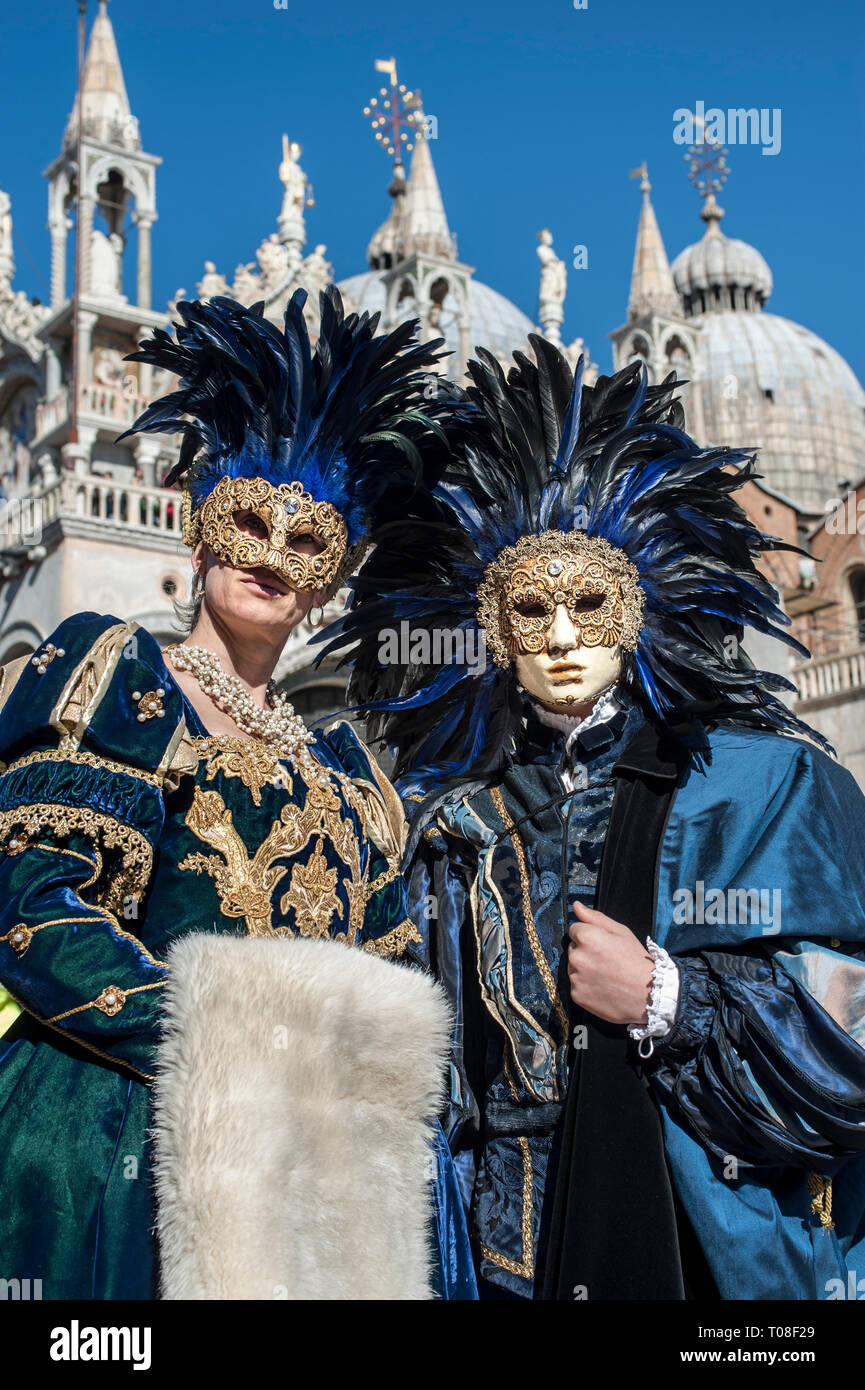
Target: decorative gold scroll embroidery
(246,885)
(394,942)
(253,761)
(525,1268)
(131,877)
(541,961)
(50,755)
(312,895)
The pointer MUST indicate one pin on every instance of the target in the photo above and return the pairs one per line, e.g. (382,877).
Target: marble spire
(652,287)
(107,113)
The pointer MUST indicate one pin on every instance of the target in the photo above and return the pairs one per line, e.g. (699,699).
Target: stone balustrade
(114,404)
(129,505)
(827,677)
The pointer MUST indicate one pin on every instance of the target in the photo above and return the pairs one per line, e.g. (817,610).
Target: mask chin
(601,669)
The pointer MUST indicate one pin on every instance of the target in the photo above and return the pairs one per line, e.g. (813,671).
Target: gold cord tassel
(821,1199)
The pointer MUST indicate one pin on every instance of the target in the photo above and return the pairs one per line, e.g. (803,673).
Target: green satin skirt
(75,1170)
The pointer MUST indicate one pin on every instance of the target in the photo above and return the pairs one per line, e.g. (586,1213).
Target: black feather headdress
(352,420)
(547,455)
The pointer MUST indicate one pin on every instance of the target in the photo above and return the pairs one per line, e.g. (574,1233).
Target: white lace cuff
(663,1002)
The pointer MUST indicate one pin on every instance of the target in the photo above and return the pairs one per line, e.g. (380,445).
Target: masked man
(639,878)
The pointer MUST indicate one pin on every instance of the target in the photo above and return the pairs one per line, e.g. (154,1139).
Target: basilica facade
(86,524)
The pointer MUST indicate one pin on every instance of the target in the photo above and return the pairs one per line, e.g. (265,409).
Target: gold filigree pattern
(525,1268)
(312,895)
(588,589)
(246,884)
(556,546)
(394,942)
(254,762)
(288,512)
(136,854)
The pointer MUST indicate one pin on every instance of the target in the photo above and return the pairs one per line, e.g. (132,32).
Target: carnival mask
(561,608)
(288,513)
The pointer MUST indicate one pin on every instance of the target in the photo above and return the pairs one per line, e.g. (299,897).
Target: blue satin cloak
(777,818)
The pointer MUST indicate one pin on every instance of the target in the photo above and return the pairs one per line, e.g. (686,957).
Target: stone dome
(496,323)
(768,382)
(722,264)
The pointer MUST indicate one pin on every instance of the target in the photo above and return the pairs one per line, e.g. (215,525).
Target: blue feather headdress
(610,462)
(353,421)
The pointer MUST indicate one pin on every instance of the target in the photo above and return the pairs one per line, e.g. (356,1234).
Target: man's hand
(610,973)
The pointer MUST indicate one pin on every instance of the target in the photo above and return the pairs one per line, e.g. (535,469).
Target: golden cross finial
(395,114)
(707,166)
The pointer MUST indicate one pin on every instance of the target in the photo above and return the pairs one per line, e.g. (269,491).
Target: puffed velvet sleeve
(81,812)
(766,1058)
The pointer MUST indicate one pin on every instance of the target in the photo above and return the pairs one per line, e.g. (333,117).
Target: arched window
(856,581)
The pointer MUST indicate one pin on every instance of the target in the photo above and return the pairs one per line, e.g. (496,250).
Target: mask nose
(564,636)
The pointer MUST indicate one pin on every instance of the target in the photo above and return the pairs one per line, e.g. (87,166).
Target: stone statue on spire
(554,284)
(296,196)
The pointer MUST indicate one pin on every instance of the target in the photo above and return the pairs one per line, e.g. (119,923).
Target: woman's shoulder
(96,683)
(384,810)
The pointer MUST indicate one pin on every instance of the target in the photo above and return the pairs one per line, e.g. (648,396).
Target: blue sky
(542,111)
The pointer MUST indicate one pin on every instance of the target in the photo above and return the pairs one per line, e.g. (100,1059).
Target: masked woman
(151,794)
(638,876)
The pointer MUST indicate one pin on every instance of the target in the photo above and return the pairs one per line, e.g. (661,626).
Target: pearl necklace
(278,726)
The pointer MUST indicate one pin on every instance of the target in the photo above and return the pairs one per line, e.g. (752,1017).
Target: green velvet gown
(123,826)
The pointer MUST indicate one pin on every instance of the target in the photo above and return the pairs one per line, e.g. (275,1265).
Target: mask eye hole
(307,544)
(530,609)
(586,603)
(251,524)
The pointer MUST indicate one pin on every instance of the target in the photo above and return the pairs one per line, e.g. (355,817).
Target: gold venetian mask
(288,514)
(588,589)
(525,586)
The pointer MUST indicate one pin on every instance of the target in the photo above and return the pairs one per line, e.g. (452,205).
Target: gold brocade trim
(137,855)
(394,942)
(821,1199)
(384,878)
(80,1042)
(525,1268)
(531,930)
(253,761)
(100,1001)
(51,755)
